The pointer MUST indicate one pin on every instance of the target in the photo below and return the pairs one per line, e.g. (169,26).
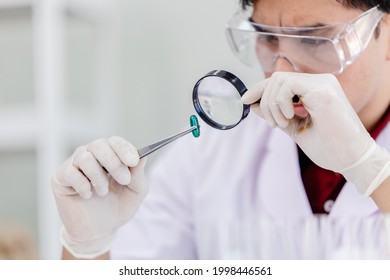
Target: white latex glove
(92,203)
(332,134)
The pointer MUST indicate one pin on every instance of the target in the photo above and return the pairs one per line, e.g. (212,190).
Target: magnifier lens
(217,99)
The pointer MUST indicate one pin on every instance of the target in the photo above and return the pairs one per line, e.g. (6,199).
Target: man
(327,87)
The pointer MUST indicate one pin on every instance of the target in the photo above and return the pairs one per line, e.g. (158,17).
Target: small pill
(194,122)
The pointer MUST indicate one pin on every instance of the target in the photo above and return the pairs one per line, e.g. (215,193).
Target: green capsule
(194,122)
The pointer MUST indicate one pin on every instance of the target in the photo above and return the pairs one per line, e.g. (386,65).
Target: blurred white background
(73,71)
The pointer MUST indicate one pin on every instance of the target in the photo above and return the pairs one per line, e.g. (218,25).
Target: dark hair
(358,4)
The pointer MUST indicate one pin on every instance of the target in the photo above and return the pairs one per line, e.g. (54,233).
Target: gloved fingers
(91,168)
(127,153)
(259,96)
(269,105)
(314,92)
(280,103)
(278,119)
(263,108)
(254,94)
(277,102)
(108,159)
(69,180)
(285,101)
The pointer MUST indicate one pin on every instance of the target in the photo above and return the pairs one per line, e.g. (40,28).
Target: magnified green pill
(194,122)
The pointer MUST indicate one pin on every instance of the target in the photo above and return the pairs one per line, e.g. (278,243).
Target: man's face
(364,80)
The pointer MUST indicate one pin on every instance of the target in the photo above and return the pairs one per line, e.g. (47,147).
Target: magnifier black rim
(232,79)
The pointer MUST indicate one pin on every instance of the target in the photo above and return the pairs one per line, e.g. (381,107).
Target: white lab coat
(249,171)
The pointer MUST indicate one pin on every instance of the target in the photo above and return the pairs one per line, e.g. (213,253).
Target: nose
(283,64)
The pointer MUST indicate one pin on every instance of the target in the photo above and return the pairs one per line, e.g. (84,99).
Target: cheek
(357,88)
(360,80)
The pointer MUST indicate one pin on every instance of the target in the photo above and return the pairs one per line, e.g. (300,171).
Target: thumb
(138,181)
(254,93)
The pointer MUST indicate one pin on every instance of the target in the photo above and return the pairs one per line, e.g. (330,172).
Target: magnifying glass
(217,99)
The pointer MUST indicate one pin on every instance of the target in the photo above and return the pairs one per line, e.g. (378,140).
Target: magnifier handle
(295,99)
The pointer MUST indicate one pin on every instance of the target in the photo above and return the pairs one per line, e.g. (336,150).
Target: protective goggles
(323,49)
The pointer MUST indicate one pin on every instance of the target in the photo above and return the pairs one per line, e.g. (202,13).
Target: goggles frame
(347,40)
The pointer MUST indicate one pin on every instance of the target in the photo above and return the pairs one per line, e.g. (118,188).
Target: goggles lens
(325,49)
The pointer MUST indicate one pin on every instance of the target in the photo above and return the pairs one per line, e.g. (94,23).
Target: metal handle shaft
(159,144)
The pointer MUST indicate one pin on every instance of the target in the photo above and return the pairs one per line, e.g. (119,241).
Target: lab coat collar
(282,193)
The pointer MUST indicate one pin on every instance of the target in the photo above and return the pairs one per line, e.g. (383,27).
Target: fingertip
(287,111)
(131,158)
(272,124)
(250,96)
(76,181)
(86,194)
(254,93)
(127,153)
(123,178)
(101,190)
(85,190)
(283,123)
(245,99)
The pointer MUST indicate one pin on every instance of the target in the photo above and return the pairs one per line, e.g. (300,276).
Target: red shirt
(323,186)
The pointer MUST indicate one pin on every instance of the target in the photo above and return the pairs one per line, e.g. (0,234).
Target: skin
(365,82)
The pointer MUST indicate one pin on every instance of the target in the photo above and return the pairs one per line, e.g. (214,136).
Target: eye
(272,39)
(268,39)
(312,41)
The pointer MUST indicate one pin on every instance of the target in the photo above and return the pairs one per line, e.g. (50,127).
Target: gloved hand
(331,134)
(92,203)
